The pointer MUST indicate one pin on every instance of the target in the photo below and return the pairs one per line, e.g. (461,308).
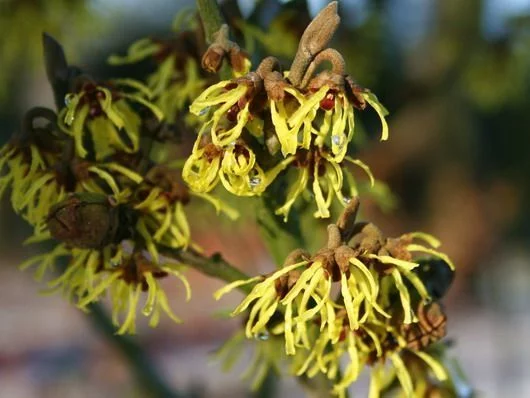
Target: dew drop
(147,310)
(204,111)
(346,200)
(255,181)
(335,139)
(263,336)
(68,99)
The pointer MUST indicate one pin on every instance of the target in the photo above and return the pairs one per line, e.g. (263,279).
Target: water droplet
(204,111)
(255,181)
(346,200)
(233,143)
(335,139)
(68,98)
(147,310)
(263,336)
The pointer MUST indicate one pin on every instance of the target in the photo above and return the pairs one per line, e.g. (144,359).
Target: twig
(214,266)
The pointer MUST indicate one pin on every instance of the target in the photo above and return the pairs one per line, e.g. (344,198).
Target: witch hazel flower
(367,268)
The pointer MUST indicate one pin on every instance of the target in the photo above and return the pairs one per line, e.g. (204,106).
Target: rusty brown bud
(85,220)
(213,58)
(343,254)
(346,221)
(429,329)
(355,92)
(238,59)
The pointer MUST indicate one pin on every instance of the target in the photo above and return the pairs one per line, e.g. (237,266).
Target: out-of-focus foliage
(22,23)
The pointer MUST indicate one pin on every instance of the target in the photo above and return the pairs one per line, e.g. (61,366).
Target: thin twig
(214,266)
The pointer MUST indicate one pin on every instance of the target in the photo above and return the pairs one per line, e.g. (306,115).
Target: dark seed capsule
(85,220)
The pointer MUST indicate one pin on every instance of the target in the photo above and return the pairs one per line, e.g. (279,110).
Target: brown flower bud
(430,327)
(213,58)
(85,220)
(343,254)
(238,59)
(275,86)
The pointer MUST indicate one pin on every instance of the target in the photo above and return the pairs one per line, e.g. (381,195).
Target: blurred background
(455,76)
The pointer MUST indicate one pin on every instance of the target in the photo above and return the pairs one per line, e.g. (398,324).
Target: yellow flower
(33,186)
(104,111)
(407,380)
(125,285)
(228,111)
(234,165)
(160,202)
(39,180)
(201,169)
(267,301)
(326,177)
(321,115)
(368,268)
(371,345)
(177,80)
(91,274)
(173,92)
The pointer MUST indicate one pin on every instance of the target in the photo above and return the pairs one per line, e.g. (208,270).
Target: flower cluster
(383,306)
(111,246)
(83,178)
(102,115)
(262,123)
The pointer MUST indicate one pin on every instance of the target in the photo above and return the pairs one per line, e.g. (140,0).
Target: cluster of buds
(383,306)
(260,123)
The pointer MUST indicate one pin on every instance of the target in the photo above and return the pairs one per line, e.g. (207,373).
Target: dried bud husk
(429,329)
(213,58)
(238,59)
(87,221)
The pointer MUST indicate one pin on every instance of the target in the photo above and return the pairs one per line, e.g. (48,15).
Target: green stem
(214,266)
(211,17)
(143,369)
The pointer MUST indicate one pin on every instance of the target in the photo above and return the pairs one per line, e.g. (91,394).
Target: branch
(212,19)
(214,266)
